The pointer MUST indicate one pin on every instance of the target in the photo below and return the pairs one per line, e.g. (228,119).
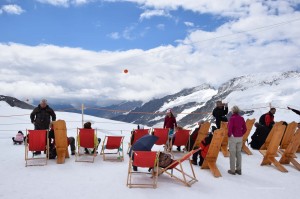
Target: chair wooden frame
(269,137)
(42,146)
(61,141)
(224,145)
(213,152)
(249,125)
(271,152)
(113,143)
(137,134)
(186,179)
(90,143)
(182,137)
(202,133)
(288,135)
(288,154)
(143,159)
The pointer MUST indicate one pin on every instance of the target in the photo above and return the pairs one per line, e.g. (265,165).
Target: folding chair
(288,155)
(113,143)
(163,136)
(271,152)
(61,141)
(270,135)
(288,135)
(143,159)
(249,125)
(37,140)
(86,139)
(224,145)
(186,179)
(202,133)
(181,138)
(136,134)
(213,152)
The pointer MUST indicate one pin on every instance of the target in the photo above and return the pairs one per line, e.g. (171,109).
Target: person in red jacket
(267,119)
(170,123)
(236,129)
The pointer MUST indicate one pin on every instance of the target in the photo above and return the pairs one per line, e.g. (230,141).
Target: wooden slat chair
(163,136)
(36,141)
(181,138)
(202,133)
(224,145)
(271,152)
(288,135)
(186,178)
(143,159)
(113,143)
(288,155)
(136,134)
(86,139)
(213,152)
(249,125)
(61,141)
(269,138)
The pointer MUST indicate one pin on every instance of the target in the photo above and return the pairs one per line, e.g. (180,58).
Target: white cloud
(65,3)
(189,24)
(160,26)
(114,35)
(11,9)
(154,13)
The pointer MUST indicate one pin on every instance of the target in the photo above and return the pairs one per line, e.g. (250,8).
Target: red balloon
(125,71)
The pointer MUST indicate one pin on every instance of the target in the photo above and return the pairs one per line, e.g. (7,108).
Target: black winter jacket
(40,117)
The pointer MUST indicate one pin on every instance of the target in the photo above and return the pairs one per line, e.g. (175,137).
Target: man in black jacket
(220,113)
(40,116)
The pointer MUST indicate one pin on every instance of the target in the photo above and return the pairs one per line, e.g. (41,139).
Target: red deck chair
(143,159)
(187,179)
(86,139)
(181,138)
(136,134)
(113,143)
(163,136)
(36,141)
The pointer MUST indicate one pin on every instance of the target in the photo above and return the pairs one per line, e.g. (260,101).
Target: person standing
(236,129)
(41,116)
(267,119)
(220,112)
(170,123)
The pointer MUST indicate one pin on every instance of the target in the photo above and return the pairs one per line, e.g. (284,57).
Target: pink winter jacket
(19,137)
(236,126)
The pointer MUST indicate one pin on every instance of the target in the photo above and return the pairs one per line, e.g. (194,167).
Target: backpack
(164,160)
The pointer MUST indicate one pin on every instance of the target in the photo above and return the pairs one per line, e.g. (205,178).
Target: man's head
(43,103)
(273,110)
(219,103)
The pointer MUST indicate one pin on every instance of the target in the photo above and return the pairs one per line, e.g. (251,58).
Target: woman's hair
(87,125)
(235,109)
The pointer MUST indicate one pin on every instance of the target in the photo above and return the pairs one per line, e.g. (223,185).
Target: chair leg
(278,165)
(246,149)
(295,163)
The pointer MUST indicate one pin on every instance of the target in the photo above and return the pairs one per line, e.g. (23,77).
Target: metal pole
(82,113)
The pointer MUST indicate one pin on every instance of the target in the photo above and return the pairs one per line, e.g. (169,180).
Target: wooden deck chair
(202,133)
(181,138)
(86,139)
(249,125)
(61,141)
(271,152)
(36,141)
(113,143)
(224,145)
(270,135)
(213,152)
(288,135)
(163,136)
(136,134)
(184,177)
(288,155)
(143,159)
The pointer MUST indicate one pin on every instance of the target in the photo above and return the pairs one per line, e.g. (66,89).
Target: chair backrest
(87,138)
(60,132)
(181,137)
(249,125)
(270,135)
(288,134)
(215,144)
(182,159)
(146,159)
(276,138)
(294,144)
(37,140)
(113,142)
(162,134)
(202,133)
(138,133)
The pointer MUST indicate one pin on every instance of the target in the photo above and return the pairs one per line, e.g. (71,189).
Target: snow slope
(108,179)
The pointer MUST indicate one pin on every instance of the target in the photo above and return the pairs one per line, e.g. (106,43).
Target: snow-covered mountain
(254,94)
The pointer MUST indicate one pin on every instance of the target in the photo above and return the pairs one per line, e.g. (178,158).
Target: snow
(104,179)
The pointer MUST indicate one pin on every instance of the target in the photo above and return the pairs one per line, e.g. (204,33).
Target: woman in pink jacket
(236,130)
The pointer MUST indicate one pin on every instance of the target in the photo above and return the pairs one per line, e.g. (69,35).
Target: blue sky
(100,25)
(78,49)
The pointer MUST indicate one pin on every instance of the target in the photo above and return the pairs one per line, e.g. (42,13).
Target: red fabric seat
(162,134)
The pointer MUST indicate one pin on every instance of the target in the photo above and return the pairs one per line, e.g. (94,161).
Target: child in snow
(19,138)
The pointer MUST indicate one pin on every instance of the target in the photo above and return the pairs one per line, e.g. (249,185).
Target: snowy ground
(104,179)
